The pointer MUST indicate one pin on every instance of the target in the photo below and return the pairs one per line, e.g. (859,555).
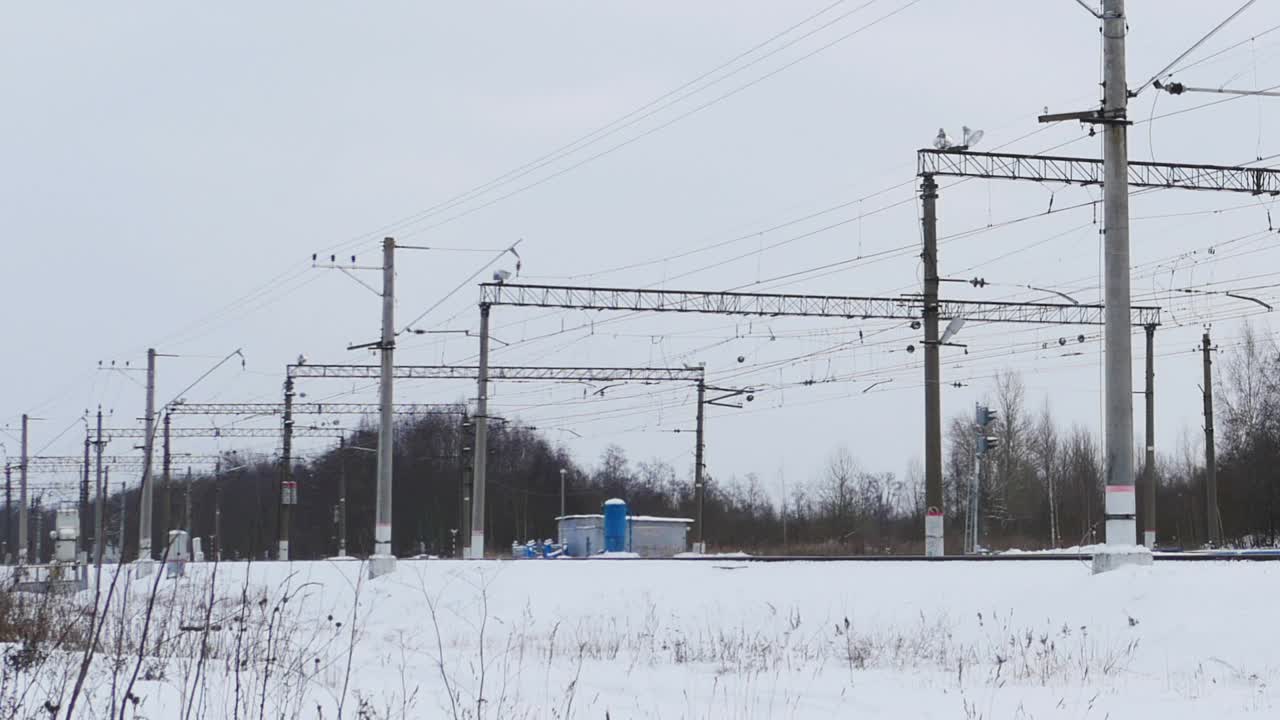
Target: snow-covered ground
(711,639)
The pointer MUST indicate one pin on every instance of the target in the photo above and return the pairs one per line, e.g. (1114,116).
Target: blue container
(615,525)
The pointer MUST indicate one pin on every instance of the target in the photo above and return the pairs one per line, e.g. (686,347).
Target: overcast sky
(168,172)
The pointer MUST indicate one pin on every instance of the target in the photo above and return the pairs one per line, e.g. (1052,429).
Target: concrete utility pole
(342,497)
(1213,523)
(383,561)
(1149,504)
(217,512)
(148,445)
(82,541)
(288,488)
(186,503)
(468,482)
(934,543)
(1120,505)
(166,478)
(699,477)
(39,531)
(100,490)
(8,512)
(479,466)
(22,497)
(563,472)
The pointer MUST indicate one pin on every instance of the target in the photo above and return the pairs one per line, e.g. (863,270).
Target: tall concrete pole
(39,530)
(8,511)
(22,497)
(342,496)
(383,561)
(148,444)
(100,490)
(217,511)
(1214,520)
(166,479)
(934,544)
(468,482)
(1149,480)
(563,472)
(124,510)
(288,489)
(480,464)
(1120,505)
(699,473)
(186,504)
(82,540)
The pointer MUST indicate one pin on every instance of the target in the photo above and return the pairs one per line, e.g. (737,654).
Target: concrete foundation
(381,565)
(1109,559)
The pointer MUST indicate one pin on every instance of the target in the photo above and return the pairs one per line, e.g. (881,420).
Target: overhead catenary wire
(1193,48)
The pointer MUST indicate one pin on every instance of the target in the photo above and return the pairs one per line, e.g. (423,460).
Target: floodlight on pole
(953,328)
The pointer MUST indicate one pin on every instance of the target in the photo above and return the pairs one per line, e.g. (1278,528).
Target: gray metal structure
(228,432)
(833,306)
(785,305)
(500,372)
(1091,171)
(310,408)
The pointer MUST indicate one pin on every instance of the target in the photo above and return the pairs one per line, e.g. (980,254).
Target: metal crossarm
(1088,171)
(459,372)
(310,408)
(728,303)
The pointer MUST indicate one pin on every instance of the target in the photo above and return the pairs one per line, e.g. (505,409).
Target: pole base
(1149,539)
(933,540)
(381,565)
(144,567)
(1114,557)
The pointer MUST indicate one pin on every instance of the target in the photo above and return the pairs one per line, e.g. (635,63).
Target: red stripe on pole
(1120,488)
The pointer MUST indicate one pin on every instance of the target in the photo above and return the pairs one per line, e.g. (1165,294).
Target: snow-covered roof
(615,501)
(635,518)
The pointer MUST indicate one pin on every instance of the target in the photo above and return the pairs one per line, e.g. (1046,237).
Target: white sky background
(169,171)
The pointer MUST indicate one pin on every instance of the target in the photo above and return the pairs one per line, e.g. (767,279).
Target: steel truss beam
(228,432)
(310,408)
(60,463)
(775,305)
(471,372)
(1088,171)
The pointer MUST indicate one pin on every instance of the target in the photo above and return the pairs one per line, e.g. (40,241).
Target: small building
(646,535)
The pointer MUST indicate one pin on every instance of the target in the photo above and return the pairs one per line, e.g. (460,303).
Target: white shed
(647,535)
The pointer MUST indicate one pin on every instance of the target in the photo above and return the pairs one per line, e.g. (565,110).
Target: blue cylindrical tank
(615,525)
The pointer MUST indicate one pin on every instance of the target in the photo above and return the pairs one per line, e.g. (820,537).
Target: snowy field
(672,639)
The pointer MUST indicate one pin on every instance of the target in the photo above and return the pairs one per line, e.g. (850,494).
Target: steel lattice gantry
(228,432)
(308,408)
(906,307)
(781,305)
(461,372)
(65,463)
(1088,171)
